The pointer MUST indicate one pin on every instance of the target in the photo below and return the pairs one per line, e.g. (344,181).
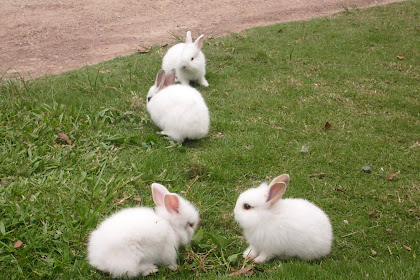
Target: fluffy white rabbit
(284,228)
(136,240)
(188,61)
(179,110)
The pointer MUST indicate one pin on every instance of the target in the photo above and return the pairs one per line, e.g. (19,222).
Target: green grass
(272,90)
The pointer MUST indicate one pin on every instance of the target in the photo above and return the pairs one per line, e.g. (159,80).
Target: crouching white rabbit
(188,61)
(284,228)
(178,110)
(136,240)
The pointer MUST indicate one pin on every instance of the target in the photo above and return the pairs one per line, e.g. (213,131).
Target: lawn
(272,92)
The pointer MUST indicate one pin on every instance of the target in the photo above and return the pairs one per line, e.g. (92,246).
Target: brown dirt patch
(52,36)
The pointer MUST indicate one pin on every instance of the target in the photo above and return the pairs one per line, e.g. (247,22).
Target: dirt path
(52,36)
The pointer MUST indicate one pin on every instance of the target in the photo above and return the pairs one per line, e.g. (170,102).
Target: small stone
(345,222)
(367,169)
(373,252)
(388,230)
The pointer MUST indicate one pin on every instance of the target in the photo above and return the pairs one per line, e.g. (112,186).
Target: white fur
(136,240)
(178,110)
(179,58)
(282,228)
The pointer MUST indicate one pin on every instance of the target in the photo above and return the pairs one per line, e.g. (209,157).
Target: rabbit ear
(277,188)
(169,80)
(199,41)
(158,193)
(188,38)
(160,77)
(172,203)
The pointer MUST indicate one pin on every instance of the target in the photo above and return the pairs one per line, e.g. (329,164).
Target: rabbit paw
(203,82)
(250,253)
(261,258)
(173,267)
(146,269)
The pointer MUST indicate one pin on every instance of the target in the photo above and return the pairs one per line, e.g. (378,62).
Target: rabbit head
(192,59)
(180,213)
(162,81)
(253,205)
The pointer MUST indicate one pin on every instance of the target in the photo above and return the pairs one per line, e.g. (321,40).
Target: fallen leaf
(371,212)
(415,145)
(144,50)
(338,190)
(327,126)
(137,199)
(392,175)
(279,127)
(400,56)
(242,271)
(406,247)
(319,175)
(388,230)
(64,137)
(119,201)
(373,252)
(345,222)
(19,243)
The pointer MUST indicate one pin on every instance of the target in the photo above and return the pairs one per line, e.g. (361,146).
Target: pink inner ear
(158,193)
(172,203)
(199,42)
(276,192)
(160,77)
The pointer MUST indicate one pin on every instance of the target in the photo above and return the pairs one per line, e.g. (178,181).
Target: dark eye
(247,206)
(148,98)
(192,58)
(191,225)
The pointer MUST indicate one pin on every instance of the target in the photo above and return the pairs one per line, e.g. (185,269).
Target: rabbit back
(171,60)
(181,112)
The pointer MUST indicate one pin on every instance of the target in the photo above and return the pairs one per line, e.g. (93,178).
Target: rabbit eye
(191,224)
(192,58)
(247,206)
(148,98)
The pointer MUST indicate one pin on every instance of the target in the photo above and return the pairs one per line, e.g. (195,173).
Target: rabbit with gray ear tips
(284,228)
(178,110)
(136,240)
(188,61)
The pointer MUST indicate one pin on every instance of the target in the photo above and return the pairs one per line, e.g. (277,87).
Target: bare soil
(52,36)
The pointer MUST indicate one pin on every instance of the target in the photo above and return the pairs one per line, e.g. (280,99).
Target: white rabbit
(179,110)
(284,228)
(135,240)
(188,61)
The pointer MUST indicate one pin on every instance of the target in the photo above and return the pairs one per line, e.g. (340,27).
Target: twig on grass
(359,231)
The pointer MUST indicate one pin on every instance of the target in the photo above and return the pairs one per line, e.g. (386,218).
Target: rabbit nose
(184,66)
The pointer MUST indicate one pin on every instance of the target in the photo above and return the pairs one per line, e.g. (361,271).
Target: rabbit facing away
(136,240)
(188,61)
(284,228)
(178,110)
